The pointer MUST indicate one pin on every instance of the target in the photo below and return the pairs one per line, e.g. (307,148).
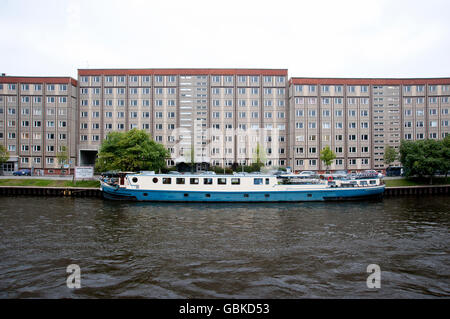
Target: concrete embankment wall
(50,191)
(416,190)
(96,192)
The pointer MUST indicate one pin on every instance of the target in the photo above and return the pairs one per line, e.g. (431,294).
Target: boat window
(221,181)
(134,179)
(235,181)
(363,183)
(180,180)
(258,181)
(372,182)
(267,181)
(167,180)
(155,180)
(207,181)
(194,181)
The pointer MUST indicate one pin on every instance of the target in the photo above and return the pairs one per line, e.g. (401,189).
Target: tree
(131,151)
(327,156)
(390,155)
(192,159)
(259,158)
(260,154)
(62,157)
(422,158)
(445,155)
(4,155)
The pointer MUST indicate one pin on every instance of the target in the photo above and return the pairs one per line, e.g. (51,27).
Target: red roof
(275,72)
(369,81)
(37,80)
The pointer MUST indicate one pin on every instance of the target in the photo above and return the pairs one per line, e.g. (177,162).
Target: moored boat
(237,188)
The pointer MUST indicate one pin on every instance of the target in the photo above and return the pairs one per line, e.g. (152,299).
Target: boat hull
(328,194)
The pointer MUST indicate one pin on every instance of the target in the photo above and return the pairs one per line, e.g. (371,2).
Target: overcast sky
(346,38)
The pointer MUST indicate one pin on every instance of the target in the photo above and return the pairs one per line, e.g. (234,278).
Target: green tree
(421,158)
(131,151)
(260,154)
(4,155)
(390,155)
(445,156)
(259,158)
(192,154)
(327,156)
(407,156)
(62,157)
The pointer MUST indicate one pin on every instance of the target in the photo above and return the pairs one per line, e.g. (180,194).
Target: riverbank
(67,182)
(416,190)
(399,182)
(49,183)
(50,191)
(94,191)
(91,188)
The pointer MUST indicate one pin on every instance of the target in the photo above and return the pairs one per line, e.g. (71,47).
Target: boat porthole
(134,179)
(155,180)
(186,195)
(208,195)
(267,195)
(145,194)
(245,195)
(309,195)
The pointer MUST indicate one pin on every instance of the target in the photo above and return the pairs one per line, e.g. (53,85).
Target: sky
(346,38)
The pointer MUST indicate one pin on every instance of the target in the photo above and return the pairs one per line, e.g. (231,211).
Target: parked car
(307,174)
(22,172)
(340,174)
(394,171)
(372,173)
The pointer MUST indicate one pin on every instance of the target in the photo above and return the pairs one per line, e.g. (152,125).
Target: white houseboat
(237,188)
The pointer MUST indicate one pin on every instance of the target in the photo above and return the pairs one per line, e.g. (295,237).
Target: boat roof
(204,175)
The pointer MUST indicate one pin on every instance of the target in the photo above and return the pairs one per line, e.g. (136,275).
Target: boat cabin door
(121,179)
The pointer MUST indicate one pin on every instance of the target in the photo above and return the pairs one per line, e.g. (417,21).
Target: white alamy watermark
(374,279)
(225,143)
(74,279)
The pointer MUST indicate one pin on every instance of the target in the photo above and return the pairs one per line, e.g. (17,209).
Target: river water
(153,250)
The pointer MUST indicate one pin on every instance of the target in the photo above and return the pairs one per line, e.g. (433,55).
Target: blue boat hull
(331,194)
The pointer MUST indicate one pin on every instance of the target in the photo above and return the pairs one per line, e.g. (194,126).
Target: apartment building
(37,121)
(357,118)
(221,115)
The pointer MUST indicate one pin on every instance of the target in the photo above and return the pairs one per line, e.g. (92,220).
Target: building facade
(37,122)
(218,114)
(357,118)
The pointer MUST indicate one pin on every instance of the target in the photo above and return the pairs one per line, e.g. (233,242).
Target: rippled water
(224,250)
